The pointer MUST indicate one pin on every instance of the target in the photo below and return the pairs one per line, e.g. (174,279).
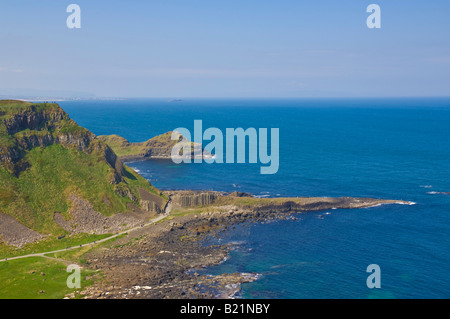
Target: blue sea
(381,148)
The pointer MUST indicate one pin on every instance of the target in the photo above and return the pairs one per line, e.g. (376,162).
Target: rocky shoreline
(161,260)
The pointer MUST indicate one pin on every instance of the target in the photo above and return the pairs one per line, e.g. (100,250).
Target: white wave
(405,203)
(261,196)
(224,260)
(398,203)
(250,276)
(374,205)
(426,186)
(440,193)
(237,242)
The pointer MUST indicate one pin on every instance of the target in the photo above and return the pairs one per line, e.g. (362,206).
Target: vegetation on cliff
(45,157)
(157,147)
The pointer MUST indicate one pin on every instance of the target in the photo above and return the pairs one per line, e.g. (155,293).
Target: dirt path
(152,221)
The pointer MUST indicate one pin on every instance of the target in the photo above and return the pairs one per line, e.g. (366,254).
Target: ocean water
(382,148)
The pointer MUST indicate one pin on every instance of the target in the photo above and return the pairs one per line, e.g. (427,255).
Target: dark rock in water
(239,194)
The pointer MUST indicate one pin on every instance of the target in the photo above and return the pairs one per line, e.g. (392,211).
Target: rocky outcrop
(303,204)
(151,202)
(34,118)
(240,194)
(38,126)
(161,146)
(247,202)
(150,206)
(193,198)
(16,234)
(84,219)
(158,147)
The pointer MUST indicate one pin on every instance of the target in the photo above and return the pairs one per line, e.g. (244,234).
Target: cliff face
(32,117)
(30,126)
(193,198)
(47,160)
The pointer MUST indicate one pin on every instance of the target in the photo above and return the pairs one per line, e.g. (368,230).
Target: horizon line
(182,99)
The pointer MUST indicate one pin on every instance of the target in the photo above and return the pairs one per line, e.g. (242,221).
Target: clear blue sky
(233,48)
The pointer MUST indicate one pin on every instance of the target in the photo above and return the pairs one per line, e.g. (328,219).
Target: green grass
(49,244)
(135,181)
(55,172)
(254,201)
(37,278)
(122,147)
(77,255)
(187,211)
(22,278)
(9,108)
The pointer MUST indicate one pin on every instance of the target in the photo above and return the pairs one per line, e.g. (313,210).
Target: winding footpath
(42,254)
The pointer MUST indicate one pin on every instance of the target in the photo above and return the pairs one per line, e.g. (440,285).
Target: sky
(233,48)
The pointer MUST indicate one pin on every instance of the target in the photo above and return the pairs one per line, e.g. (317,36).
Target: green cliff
(54,174)
(157,147)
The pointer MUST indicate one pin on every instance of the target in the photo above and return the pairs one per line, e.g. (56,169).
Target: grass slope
(55,171)
(122,147)
(37,278)
(162,143)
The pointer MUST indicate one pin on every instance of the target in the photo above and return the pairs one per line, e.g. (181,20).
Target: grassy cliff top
(37,118)
(13,107)
(122,147)
(163,143)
